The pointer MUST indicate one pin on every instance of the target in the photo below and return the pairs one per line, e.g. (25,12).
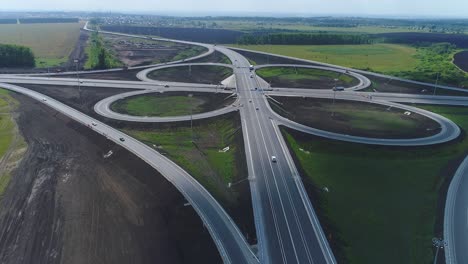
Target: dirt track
(67,204)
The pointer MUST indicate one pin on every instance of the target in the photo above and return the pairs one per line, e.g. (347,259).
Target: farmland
(379,57)
(51,43)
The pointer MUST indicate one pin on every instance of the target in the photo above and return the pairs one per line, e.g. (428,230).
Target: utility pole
(435,86)
(191,117)
(78,77)
(334,97)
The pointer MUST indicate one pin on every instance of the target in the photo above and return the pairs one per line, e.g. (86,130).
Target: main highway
(288,230)
(456,217)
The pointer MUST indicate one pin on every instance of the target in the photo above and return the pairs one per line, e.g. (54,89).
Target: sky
(405,8)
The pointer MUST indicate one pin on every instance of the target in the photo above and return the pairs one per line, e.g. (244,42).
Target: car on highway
(251,75)
(122,139)
(43,99)
(93,123)
(338,89)
(166,86)
(273,159)
(256,108)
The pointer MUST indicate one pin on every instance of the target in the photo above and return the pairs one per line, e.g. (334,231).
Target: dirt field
(135,51)
(195,74)
(258,59)
(74,206)
(172,103)
(216,57)
(236,201)
(355,118)
(461,60)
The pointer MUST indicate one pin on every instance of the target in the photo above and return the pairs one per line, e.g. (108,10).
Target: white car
(94,124)
(43,99)
(273,159)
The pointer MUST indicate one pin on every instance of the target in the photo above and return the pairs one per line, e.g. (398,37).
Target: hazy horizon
(383,8)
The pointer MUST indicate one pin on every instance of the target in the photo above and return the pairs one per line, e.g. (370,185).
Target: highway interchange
(288,230)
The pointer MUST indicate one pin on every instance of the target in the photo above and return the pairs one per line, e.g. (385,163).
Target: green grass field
(159,106)
(381,201)
(378,57)
(355,118)
(297,77)
(209,74)
(7,138)
(203,160)
(51,43)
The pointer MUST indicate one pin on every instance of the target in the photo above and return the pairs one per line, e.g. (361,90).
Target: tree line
(304,39)
(98,56)
(16,56)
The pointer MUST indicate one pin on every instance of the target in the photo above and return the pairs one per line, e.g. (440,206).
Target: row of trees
(16,56)
(98,56)
(304,39)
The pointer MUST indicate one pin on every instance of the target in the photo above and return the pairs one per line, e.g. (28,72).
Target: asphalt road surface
(456,217)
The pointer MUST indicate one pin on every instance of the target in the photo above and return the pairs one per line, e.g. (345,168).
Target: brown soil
(317,113)
(215,57)
(78,53)
(67,204)
(461,60)
(195,74)
(136,51)
(240,210)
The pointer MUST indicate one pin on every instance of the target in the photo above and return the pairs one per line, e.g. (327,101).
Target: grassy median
(383,203)
(172,104)
(296,77)
(207,74)
(355,118)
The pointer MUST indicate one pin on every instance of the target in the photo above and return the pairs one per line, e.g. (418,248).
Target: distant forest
(304,39)
(16,56)
(38,20)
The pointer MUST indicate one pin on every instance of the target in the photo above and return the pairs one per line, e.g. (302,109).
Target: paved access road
(456,217)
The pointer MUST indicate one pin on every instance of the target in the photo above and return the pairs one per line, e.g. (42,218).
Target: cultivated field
(378,57)
(51,43)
